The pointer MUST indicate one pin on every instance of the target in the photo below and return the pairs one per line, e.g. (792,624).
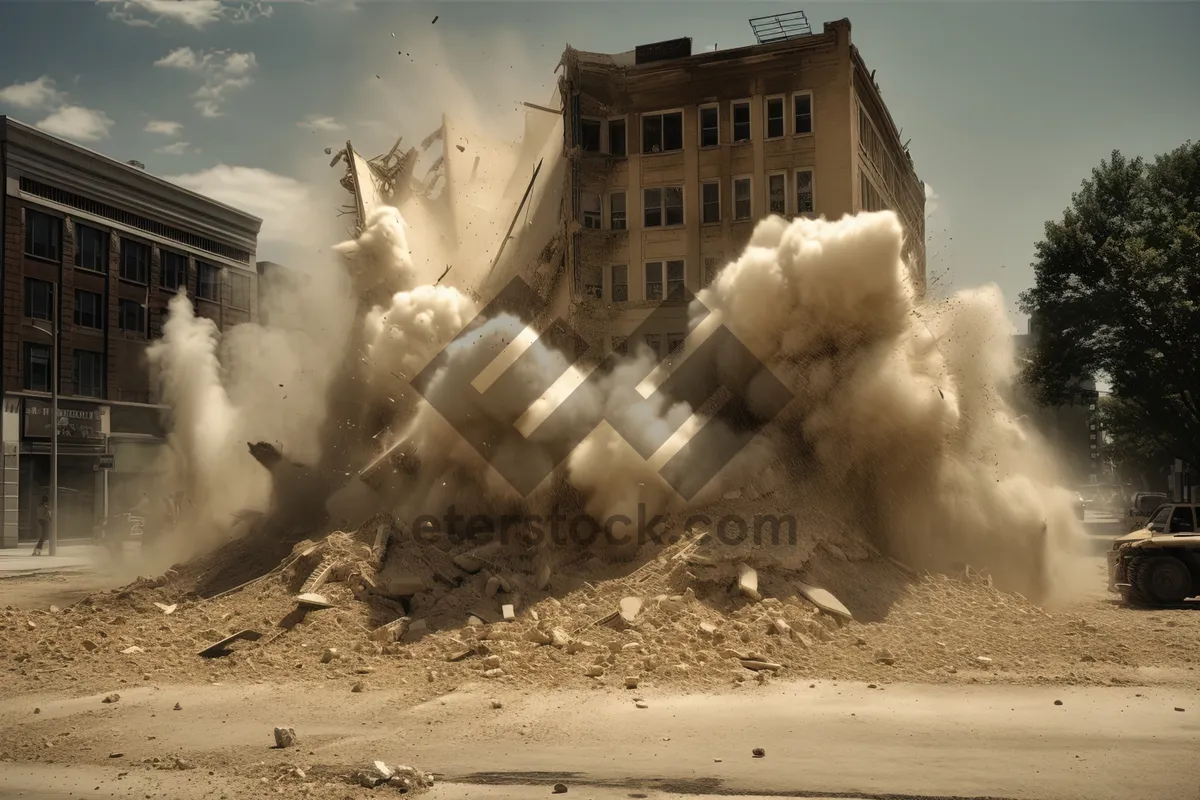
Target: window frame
(783,109)
(662,280)
(668,280)
(607,136)
(704,203)
(598,286)
(642,130)
(99,310)
(624,213)
(778,174)
(733,182)
(612,283)
(121,260)
(749,104)
(27,350)
(599,134)
(662,206)
(700,109)
(812,113)
(591,220)
(122,304)
(28,309)
(812,173)
(216,281)
(28,245)
(163,252)
(106,238)
(230,276)
(77,371)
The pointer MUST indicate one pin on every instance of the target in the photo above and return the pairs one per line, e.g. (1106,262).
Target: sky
(1008,106)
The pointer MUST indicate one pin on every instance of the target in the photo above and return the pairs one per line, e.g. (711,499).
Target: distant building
(100,246)
(676,155)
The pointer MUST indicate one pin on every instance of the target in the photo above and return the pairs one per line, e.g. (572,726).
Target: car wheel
(1163,580)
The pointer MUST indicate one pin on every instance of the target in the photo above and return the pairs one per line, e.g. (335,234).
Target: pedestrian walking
(43,521)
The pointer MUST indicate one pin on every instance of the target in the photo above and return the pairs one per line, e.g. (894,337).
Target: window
(131,316)
(616,211)
(869,197)
(593,282)
(710,196)
(662,206)
(620,345)
(135,261)
(710,135)
(1181,520)
(654,342)
(674,278)
(91,248)
(39,299)
(774,117)
(777,194)
(174,270)
(208,281)
(239,290)
(589,135)
(742,207)
(804,192)
(37,367)
(662,133)
(616,137)
(803,116)
(89,310)
(712,265)
(619,283)
(590,204)
(654,280)
(43,235)
(741,121)
(89,373)
(675,343)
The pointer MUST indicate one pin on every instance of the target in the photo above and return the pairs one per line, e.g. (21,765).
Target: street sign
(106,461)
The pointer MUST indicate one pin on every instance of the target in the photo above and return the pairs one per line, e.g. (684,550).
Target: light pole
(53,332)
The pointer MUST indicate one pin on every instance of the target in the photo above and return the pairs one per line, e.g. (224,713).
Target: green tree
(1117,295)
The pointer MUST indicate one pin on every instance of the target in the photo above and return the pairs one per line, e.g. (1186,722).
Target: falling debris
(435,19)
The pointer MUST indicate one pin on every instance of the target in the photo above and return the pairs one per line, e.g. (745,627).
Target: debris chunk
(112,698)
(493,673)
(167,609)
(630,608)
(497,704)
(631,682)
(758,666)
(383,770)
(824,600)
(884,656)
(560,788)
(132,650)
(329,655)
(508,612)
(178,707)
(391,632)
(594,671)
(357,687)
(1058,702)
(758,752)
(748,582)
(285,737)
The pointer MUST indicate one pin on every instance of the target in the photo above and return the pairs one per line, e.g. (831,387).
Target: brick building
(100,247)
(675,156)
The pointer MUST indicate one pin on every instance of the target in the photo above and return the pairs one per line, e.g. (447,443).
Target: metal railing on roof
(779,27)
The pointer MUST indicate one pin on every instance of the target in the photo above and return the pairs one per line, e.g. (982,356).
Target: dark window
(590,202)
(804,192)
(37,367)
(674,277)
(208,281)
(651,208)
(710,135)
(804,113)
(593,282)
(131,316)
(712,265)
(89,309)
(239,291)
(619,283)
(89,373)
(662,133)
(616,137)
(654,343)
(711,202)
(675,342)
(742,207)
(774,117)
(589,135)
(654,280)
(777,194)
(43,235)
(174,270)
(1181,520)
(741,121)
(616,211)
(39,299)
(91,248)
(620,345)
(135,261)
(663,206)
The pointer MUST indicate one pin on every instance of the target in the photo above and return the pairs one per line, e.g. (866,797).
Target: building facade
(675,156)
(96,248)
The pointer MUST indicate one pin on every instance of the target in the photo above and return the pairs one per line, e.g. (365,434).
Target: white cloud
(163,127)
(220,71)
(198,14)
(284,204)
(174,149)
(39,93)
(320,123)
(78,123)
(931,200)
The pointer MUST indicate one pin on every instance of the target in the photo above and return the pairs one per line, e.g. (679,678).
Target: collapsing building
(649,172)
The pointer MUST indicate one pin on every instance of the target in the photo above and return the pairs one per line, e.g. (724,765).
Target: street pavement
(20,561)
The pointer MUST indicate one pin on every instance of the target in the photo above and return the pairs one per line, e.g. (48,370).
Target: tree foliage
(1117,294)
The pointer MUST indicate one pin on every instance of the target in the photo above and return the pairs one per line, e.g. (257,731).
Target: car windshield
(1158,521)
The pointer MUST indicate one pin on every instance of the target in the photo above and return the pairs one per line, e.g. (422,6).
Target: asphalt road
(842,740)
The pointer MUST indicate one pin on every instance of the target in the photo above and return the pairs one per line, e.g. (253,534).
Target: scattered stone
(983,659)
(748,582)
(37,711)
(707,628)
(491,588)
(496,704)
(180,764)
(538,636)
(1177,708)
(542,580)
(508,612)
(640,704)
(383,771)
(134,650)
(117,754)
(594,671)
(631,682)
(493,673)
(285,737)
(112,698)
(491,662)
(884,656)
(391,632)
(30,624)
(313,600)
(824,600)
(560,638)
(560,788)
(329,655)
(166,609)
(54,609)
(757,665)
(473,562)
(178,707)
(758,752)
(860,641)
(870,686)
(782,628)
(364,670)
(357,687)
(630,607)
(90,646)
(1058,702)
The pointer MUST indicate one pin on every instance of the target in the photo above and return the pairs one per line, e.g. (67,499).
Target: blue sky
(1008,105)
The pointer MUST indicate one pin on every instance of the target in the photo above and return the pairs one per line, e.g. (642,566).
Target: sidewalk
(72,556)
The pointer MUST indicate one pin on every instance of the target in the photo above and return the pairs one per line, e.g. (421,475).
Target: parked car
(1142,506)
(1159,564)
